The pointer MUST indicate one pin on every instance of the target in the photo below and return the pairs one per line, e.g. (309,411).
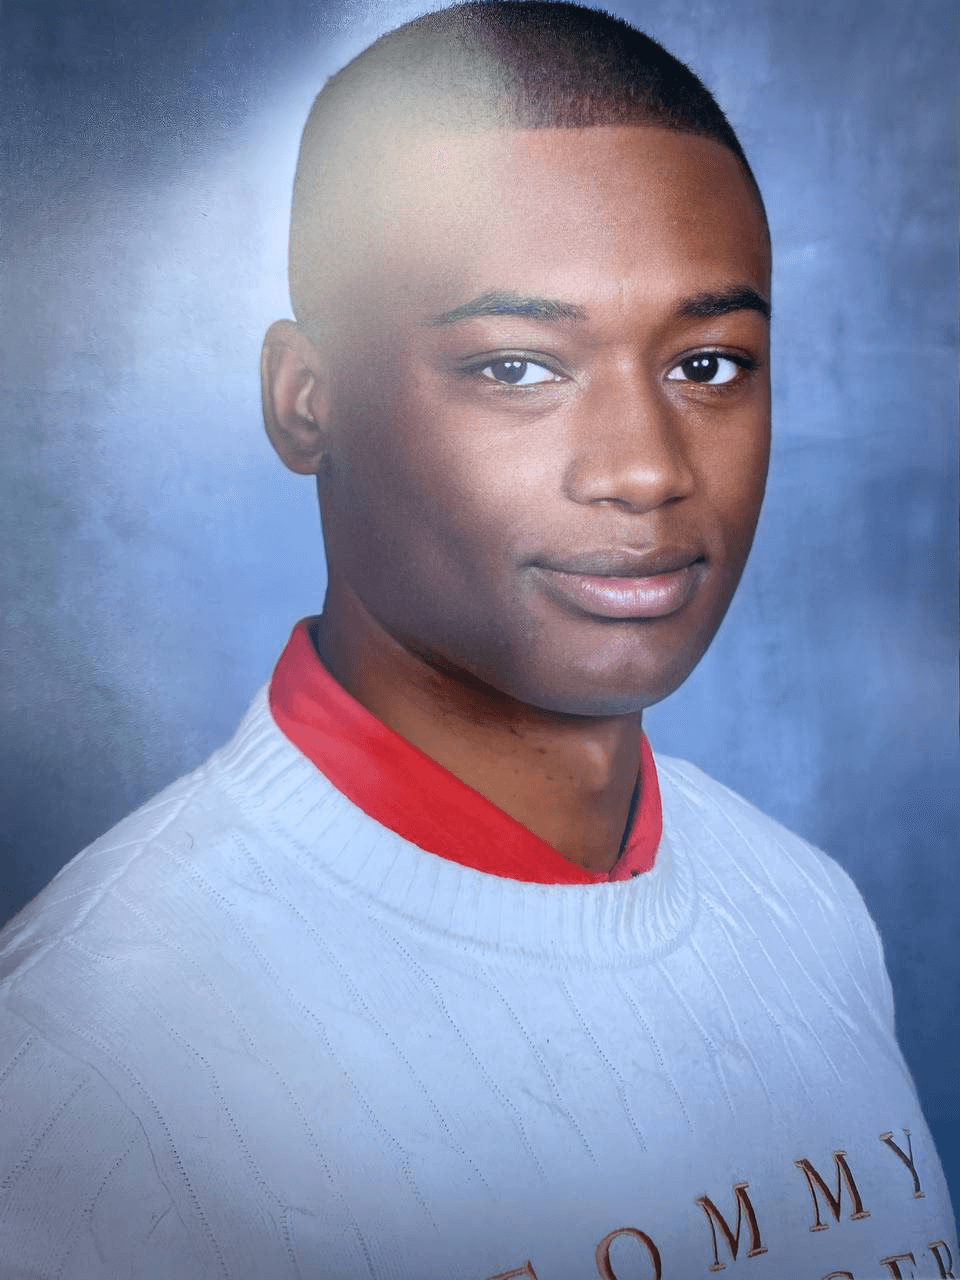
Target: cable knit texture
(252,1033)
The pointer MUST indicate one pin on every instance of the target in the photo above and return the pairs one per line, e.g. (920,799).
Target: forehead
(642,211)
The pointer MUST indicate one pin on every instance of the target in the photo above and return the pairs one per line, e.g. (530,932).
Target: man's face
(550,410)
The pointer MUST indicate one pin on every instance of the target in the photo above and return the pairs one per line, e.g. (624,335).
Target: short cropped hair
(525,64)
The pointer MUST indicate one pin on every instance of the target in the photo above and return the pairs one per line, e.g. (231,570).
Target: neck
(568,779)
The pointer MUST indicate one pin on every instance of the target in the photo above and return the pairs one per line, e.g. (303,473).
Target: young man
(433,971)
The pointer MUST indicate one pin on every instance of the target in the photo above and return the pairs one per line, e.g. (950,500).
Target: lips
(624,583)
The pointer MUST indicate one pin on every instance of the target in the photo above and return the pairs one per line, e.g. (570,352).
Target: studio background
(156,555)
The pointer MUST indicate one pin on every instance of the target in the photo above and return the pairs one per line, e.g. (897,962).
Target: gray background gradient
(155,554)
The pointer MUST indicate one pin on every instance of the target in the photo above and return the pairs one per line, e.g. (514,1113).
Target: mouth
(624,584)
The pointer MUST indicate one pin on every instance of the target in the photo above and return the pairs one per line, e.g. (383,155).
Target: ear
(295,390)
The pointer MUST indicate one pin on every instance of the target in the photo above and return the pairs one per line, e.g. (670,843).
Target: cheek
(733,475)
(470,483)
(414,497)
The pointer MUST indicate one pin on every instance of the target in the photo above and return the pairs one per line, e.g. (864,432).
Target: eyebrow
(723,302)
(707,305)
(503,303)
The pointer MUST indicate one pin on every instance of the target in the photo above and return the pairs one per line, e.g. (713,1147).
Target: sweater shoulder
(739,847)
(157,863)
(143,843)
(693,801)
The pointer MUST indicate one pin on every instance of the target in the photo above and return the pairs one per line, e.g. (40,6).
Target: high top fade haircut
(487,64)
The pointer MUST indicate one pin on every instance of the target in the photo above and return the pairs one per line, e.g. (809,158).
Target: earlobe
(295,400)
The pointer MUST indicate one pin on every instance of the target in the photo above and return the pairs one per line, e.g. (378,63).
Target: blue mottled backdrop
(155,555)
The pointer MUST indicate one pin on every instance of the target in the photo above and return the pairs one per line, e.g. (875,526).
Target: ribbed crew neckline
(302,815)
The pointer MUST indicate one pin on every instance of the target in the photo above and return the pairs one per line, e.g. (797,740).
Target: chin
(596,703)
(596,667)
(591,690)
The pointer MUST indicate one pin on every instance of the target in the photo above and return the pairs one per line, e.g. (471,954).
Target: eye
(518,373)
(708,368)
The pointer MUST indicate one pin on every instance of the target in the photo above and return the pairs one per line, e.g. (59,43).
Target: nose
(628,448)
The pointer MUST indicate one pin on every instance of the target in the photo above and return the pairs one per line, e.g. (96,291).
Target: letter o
(606,1272)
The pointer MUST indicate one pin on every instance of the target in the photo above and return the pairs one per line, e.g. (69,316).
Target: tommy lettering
(907,1158)
(604,1268)
(893,1262)
(945,1268)
(526,1272)
(815,1182)
(716,1219)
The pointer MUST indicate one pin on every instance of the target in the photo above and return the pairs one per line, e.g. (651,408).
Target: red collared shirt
(403,789)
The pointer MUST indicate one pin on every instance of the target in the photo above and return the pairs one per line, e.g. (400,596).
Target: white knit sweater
(252,1033)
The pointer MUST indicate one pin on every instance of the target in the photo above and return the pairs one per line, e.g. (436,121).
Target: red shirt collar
(403,789)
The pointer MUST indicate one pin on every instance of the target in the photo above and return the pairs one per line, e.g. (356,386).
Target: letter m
(816,1183)
(732,1238)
